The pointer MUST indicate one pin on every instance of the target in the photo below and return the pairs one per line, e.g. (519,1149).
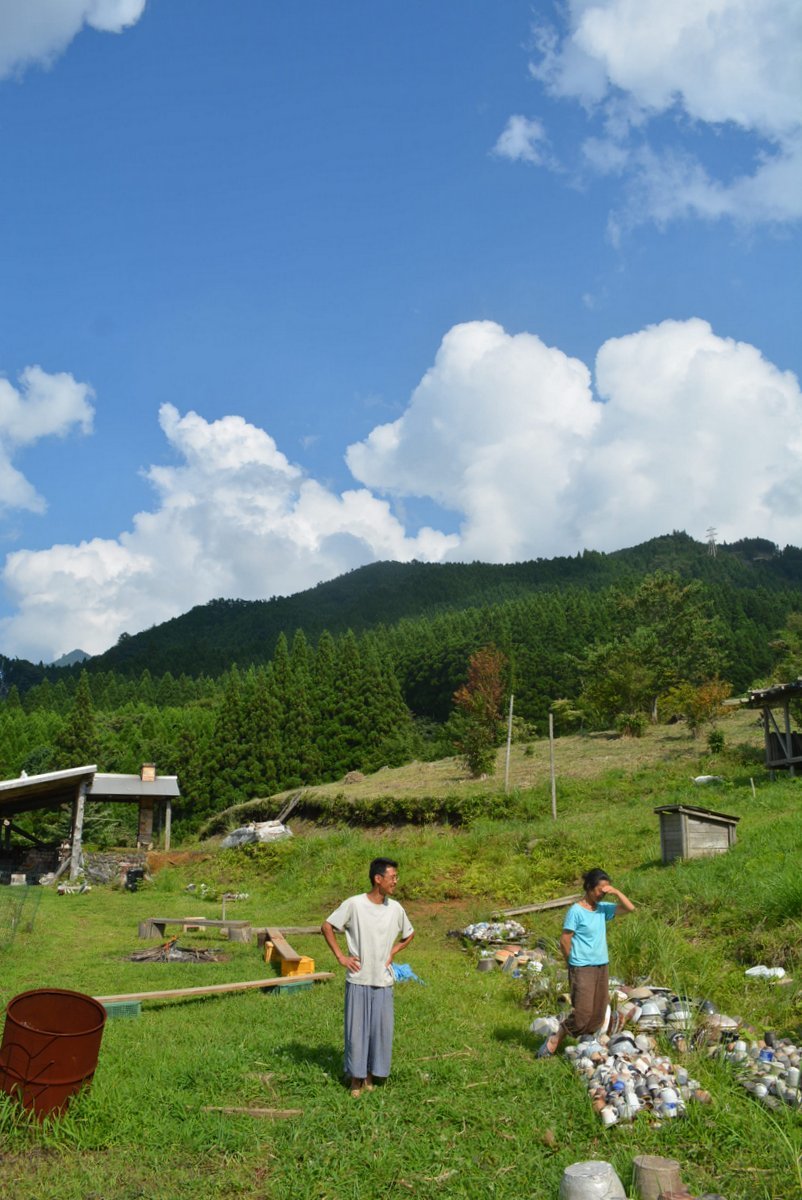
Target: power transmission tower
(711,542)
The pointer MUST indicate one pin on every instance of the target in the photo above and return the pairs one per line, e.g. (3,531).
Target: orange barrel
(50,1047)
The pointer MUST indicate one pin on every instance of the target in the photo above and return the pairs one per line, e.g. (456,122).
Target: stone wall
(101,866)
(107,866)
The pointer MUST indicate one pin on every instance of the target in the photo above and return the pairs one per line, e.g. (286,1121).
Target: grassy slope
(467,1108)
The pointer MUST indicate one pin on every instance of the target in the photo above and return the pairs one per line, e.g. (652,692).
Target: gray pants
(368,1030)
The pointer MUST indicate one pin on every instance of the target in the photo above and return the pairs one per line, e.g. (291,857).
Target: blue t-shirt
(589,927)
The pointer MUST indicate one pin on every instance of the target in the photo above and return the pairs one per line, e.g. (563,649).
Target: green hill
(210,637)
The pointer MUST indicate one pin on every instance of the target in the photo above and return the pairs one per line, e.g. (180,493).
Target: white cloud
(523,139)
(697,430)
(38,31)
(694,430)
(689,430)
(43,406)
(497,423)
(724,64)
(235,518)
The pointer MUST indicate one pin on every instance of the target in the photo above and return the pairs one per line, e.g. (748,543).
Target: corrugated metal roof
(131,787)
(27,793)
(31,782)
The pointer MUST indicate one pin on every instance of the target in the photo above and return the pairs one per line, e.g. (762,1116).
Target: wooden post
(168,820)
(551,764)
(77,830)
(509,743)
(789,741)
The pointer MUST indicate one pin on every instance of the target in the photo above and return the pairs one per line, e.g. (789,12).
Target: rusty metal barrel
(51,1041)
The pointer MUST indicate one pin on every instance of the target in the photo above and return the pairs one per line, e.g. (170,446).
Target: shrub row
(339,808)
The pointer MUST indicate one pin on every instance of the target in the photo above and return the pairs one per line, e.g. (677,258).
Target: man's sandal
(545,1051)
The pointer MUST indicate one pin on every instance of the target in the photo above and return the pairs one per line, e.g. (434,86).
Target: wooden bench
(236,931)
(282,947)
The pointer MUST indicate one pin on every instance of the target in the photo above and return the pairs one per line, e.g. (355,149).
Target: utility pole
(551,763)
(509,743)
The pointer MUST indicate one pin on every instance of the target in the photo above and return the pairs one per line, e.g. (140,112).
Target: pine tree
(263,742)
(229,751)
(77,743)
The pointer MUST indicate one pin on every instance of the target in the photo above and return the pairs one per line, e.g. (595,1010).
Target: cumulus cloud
(498,422)
(676,427)
(508,432)
(731,65)
(234,518)
(38,31)
(697,430)
(42,406)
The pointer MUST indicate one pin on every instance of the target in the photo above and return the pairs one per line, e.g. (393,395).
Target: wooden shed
(783,745)
(687,832)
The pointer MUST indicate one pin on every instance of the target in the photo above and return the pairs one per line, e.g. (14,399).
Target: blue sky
(286,289)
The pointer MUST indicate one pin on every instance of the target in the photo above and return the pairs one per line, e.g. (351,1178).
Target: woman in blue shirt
(583,943)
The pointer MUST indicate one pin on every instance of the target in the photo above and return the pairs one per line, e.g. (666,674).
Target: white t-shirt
(371,930)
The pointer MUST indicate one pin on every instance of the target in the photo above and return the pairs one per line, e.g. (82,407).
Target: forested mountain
(361,672)
(210,637)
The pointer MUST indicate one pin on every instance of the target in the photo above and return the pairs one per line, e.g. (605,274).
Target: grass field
(467,1111)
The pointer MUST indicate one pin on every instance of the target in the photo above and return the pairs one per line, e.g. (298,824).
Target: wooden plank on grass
(275,1114)
(262,933)
(563,902)
(282,946)
(214,989)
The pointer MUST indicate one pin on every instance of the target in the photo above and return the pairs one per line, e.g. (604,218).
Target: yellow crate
(305,966)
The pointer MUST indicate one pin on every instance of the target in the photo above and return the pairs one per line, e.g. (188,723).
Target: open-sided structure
(79,786)
(783,745)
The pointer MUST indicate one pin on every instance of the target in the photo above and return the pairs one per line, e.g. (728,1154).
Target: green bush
(715,741)
(631,724)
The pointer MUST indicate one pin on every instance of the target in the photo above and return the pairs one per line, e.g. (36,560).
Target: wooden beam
(288,929)
(275,1114)
(214,989)
(77,830)
(290,805)
(282,946)
(563,902)
(40,845)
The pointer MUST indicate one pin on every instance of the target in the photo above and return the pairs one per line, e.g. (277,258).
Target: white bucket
(591,1181)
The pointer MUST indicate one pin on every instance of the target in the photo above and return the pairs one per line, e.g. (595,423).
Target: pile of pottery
(494,931)
(513,960)
(767,1067)
(625,1075)
(657,1010)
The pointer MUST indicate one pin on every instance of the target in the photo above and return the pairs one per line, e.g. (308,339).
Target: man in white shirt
(376,928)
